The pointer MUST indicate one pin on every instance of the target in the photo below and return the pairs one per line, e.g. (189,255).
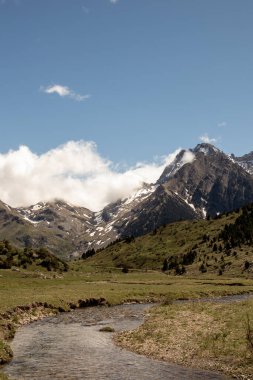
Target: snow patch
(31,221)
(187,158)
(38,206)
(144,193)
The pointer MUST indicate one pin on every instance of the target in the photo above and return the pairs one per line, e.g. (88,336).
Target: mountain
(222,245)
(212,182)
(199,182)
(147,209)
(61,227)
(246,161)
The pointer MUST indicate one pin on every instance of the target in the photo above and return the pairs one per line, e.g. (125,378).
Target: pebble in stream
(70,346)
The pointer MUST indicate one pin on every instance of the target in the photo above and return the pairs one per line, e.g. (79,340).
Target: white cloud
(74,172)
(208,140)
(114,1)
(222,124)
(64,91)
(188,157)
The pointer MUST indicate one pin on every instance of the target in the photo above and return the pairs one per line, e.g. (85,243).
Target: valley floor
(208,335)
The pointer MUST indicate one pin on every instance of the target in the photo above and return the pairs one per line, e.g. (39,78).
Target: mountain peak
(206,148)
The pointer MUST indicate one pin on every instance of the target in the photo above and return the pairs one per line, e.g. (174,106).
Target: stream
(70,346)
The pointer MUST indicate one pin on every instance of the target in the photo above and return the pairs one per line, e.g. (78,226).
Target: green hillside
(187,247)
(12,257)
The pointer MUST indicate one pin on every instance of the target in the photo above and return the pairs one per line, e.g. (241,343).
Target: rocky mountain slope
(223,245)
(246,162)
(212,183)
(199,182)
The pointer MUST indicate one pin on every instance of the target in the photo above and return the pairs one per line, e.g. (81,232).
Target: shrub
(202,268)
(165,265)
(125,269)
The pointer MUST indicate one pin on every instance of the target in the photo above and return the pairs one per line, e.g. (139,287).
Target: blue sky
(140,78)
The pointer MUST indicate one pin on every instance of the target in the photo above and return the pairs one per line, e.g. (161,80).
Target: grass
(176,239)
(205,335)
(3,376)
(84,281)
(25,287)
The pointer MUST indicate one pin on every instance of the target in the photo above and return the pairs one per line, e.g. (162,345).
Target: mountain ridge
(198,182)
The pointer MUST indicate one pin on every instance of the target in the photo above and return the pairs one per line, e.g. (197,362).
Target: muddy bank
(21,315)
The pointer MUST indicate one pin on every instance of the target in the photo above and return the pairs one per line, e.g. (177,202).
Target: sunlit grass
(205,335)
(25,287)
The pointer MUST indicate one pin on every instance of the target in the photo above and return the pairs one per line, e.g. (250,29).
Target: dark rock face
(213,182)
(162,207)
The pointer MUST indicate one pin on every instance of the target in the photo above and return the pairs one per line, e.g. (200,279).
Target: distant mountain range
(199,182)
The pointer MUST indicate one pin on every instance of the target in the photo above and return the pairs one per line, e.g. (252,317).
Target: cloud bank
(64,91)
(74,172)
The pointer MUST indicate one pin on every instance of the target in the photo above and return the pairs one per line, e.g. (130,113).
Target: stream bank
(74,346)
(25,314)
(97,317)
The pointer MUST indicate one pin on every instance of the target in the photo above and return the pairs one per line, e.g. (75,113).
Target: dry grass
(155,337)
(202,335)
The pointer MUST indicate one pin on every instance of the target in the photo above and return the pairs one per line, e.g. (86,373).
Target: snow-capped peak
(206,149)
(183,157)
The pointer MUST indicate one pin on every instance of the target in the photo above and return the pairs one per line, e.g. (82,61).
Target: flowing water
(70,346)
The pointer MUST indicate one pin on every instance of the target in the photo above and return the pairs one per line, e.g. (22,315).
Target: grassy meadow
(168,322)
(216,336)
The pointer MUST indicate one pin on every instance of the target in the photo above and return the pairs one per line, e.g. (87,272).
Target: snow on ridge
(98,217)
(232,160)
(206,149)
(204,212)
(187,158)
(245,166)
(146,192)
(32,221)
(87,216)
(188,200)
(190,204)
(38,206)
